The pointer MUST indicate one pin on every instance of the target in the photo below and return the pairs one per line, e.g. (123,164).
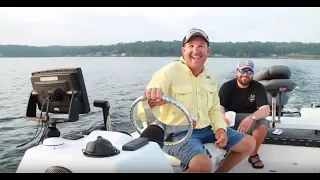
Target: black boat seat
(276,79)
(275,85)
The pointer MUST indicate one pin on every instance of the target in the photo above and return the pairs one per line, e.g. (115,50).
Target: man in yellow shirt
(189,82)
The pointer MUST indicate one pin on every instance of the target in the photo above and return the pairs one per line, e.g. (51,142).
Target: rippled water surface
(120,80)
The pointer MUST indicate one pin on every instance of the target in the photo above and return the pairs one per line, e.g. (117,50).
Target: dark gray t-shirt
(242,100)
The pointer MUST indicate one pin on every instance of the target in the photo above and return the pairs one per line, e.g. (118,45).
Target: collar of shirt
(184,66)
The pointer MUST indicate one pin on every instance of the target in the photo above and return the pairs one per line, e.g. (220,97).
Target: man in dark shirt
(248,98)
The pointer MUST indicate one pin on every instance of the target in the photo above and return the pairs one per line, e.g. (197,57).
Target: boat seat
(273,79)
(173,160)
(276,77)
(217,155)
(274,85)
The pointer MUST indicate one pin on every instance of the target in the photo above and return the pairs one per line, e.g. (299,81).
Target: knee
(261,129)
(249,142)
(200,163)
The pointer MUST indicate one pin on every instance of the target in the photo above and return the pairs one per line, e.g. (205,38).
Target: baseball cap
(195,32)
(245,64)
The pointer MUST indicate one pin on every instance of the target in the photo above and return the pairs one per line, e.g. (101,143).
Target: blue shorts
(194,145)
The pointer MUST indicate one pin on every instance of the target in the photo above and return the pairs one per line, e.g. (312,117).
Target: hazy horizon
(134,42)
(48,26)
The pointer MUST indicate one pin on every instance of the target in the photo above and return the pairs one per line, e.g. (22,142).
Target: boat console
(63,91)
(59,91)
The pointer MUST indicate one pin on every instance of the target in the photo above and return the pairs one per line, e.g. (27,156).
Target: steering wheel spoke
(152,120)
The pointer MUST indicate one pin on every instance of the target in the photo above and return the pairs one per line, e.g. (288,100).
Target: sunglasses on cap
(242,71)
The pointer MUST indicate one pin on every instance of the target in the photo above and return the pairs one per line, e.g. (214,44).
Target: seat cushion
(173,160)
(217,155)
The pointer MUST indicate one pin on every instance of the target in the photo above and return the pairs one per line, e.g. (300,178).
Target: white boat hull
(151,159)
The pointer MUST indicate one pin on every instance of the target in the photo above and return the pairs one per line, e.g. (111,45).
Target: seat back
(276,80)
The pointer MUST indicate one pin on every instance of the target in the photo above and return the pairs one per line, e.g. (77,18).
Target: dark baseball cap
(245,64)
(195,32)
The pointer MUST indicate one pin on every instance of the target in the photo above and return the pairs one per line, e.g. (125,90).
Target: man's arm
(222,109)
(262,112)
(224,98)
(262,103)
(159,80)
(216,118)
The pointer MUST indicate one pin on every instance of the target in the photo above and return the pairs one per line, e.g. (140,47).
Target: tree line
(164,48)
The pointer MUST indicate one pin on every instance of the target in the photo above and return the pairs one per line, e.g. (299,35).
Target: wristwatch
(254,118)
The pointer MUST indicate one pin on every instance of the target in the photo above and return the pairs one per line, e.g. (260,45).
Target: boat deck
(293,151)
(280,159)
(294,137)
(284,159)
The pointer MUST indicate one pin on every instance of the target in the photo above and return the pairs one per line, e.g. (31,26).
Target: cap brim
(242,67)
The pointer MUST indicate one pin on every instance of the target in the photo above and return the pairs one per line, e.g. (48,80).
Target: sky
(44,26)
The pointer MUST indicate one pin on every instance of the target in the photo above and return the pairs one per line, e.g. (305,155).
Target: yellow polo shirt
(197,94)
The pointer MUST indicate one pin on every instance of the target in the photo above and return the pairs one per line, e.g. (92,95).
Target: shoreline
(215,57)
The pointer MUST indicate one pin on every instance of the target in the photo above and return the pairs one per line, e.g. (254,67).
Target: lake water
(119,80)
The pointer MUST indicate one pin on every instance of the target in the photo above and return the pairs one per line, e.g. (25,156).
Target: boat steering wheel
(152,120)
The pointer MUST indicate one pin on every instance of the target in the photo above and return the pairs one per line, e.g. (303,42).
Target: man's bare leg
(259,134)
(200,163)
(237,153)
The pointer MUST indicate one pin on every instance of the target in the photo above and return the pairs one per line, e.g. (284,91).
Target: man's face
(195,52)
(244,76)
